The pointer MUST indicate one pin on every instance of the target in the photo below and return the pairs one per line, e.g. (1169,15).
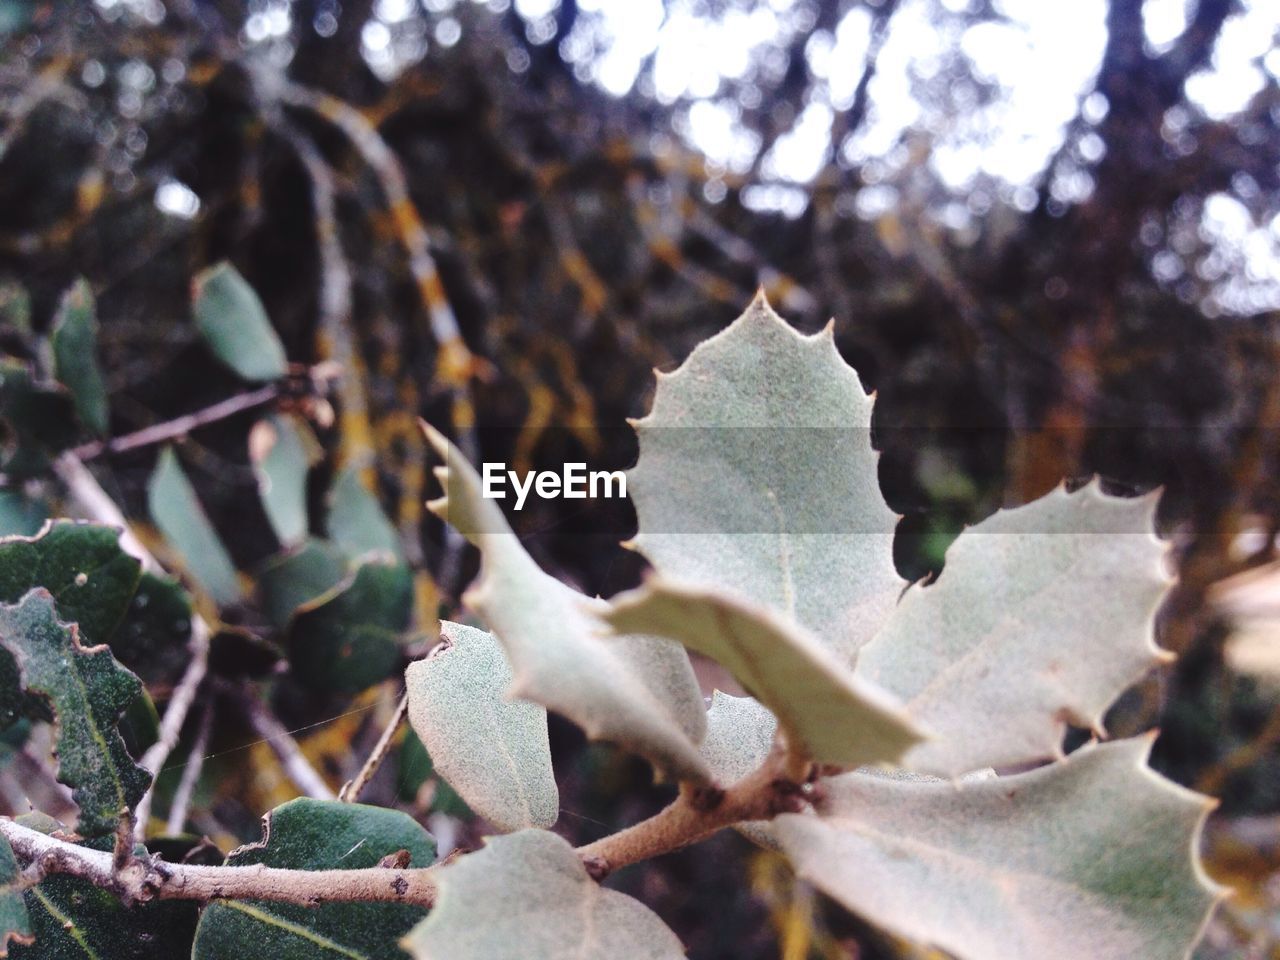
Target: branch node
(704,799)
(597,867)
(396,861)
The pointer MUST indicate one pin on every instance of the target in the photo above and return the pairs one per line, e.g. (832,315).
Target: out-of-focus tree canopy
(1048,233)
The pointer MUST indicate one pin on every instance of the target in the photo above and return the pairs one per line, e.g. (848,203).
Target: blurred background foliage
(1048,233)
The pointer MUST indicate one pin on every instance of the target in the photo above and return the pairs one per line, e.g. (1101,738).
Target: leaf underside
(527,896)
(494,752)
(826,714)
(638,692)
(74,340)
(1087,857)
(1043,614)
(757,475)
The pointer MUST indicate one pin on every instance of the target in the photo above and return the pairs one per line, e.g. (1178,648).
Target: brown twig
(175,713)
(181,426)
(351,790)
(145,878)
(190,774)
(695,815)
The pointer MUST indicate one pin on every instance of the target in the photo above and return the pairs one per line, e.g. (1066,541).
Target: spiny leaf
(1091,857)
(73,919)
(88,691)
(89,575)
(1043,614)
(527,896)
(307,834)
(826,714)
(15,924)
(233,322)
(756,474)
(82,565)
(283,450)
(493,751)
(349,639)
(75,356)
(639,692)
(356,522)
(180,517)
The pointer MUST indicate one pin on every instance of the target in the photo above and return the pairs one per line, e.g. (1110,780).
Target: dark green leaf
(152,639)
(177,512)
(299,576)
(82,565)
(91,579)
(15,925)
(317,835)
(75,356)
(88,691)
(234,324)
(349,639)
(356,522)
(39,420)
(75,920)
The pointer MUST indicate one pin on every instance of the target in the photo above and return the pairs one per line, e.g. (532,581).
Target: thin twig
(175,714)
(96,504)
(147,878)
(181,426)
(351,790)
(296,767)
(190,774)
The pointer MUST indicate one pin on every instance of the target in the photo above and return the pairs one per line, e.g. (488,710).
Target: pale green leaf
(1090,857)
(356,522)
(233,322)
(639,692)
(756,474)
(527,896)
(177,512)
(740,735)
(283,450)
(826,714)
(492,750)
(75,356)
(1043,614)
(88,691)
